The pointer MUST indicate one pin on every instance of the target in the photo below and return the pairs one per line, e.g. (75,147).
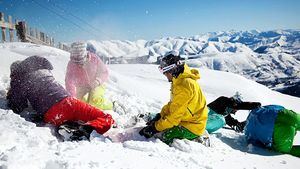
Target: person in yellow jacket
(185,115)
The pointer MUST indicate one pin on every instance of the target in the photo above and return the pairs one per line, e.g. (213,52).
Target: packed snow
(137,89)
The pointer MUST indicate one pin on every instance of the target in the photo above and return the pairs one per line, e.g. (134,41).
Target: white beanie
(78,52)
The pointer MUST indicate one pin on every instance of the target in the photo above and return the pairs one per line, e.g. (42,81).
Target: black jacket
(33,82)
(226,106)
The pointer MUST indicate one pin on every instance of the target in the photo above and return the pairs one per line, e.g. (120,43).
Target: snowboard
(121,135)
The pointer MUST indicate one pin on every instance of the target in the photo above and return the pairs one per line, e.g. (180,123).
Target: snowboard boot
(74,131)
(203,139)
(119,108)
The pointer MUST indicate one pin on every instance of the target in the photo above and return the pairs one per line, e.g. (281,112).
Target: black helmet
(170,62)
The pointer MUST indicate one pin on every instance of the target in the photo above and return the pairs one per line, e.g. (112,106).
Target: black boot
(74,131)
(86,130)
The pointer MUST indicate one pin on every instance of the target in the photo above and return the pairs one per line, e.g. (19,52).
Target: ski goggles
(166,68)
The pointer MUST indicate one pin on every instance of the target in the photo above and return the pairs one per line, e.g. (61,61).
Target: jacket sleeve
(70,80)
(165,109)
(15,98)
(220,104)
(246,105)
(230,121)
(177,108)
(102,72)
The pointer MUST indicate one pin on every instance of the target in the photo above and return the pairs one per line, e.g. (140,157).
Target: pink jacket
(90,75)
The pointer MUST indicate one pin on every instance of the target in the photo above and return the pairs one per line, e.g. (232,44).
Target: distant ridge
(263,56)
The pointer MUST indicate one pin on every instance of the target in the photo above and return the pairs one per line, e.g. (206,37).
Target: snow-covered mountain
(270,57)
(137,88)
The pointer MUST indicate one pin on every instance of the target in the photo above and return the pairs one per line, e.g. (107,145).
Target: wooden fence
(26,33)
(6,25)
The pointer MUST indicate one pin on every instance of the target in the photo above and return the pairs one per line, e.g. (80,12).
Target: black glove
(239,126)
(235,124)
(156,118)
(148,131)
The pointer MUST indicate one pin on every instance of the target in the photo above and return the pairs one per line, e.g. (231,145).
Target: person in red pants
(32,82)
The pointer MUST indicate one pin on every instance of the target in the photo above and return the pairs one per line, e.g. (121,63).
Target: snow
(137,88)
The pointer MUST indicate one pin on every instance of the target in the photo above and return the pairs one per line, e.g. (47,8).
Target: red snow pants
(72,109)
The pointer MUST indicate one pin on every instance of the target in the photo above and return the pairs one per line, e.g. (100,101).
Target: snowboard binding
(74,131)
(204,139)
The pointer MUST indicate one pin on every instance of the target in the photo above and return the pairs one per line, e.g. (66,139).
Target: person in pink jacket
(86,74)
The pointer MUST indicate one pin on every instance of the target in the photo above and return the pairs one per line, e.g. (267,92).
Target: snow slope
(137,89)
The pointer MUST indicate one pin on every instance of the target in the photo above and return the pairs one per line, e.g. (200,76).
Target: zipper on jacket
(190,111)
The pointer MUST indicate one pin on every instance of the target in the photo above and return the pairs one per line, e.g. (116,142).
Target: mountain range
(271,58)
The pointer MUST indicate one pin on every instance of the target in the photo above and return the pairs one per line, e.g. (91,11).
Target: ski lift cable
(83,29)
(80,19)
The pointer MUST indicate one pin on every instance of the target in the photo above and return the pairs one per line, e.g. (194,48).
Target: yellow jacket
(187,106)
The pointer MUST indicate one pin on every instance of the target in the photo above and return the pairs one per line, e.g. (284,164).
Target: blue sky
(70,20)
